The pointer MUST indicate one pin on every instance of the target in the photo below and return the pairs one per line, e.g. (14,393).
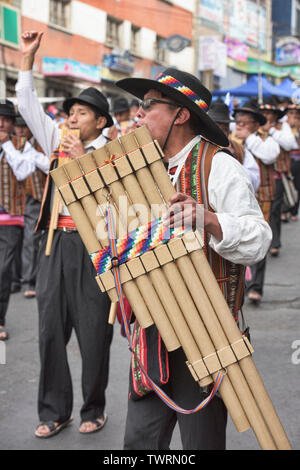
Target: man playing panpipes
(174,108)
(67,293)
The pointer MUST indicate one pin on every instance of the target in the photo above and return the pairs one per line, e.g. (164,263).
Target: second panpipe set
(167,280)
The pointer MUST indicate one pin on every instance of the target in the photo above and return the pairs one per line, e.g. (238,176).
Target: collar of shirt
(99,142)
(179,159)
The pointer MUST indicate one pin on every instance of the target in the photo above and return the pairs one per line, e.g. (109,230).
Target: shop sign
(56,67)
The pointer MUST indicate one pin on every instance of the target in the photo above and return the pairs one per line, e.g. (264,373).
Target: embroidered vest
(36,181)
(266,190)
(194,182)
(237,150)
(12,192)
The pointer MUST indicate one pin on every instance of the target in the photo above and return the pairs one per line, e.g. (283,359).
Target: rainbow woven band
(173,83)
(268,107)
(145,238)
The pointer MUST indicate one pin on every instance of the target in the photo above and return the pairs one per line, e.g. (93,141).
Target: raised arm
(41,125)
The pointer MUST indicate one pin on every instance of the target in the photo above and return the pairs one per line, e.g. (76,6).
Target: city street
(275,336)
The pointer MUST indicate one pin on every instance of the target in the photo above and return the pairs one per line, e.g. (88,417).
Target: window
(11,87)
(135,40)
(160,52)
(60,13)
(113,31)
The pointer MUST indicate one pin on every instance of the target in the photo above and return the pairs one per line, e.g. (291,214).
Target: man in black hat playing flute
(67,294)
(174,108)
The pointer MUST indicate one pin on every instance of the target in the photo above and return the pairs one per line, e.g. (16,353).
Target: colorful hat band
(173,83)
(268,107)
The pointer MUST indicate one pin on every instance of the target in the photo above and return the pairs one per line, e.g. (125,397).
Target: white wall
(36,9)
(88,21)
(147,38)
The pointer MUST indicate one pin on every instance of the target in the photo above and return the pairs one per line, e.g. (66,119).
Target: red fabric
(128,313)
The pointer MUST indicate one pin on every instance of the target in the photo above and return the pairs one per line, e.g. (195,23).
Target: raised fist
(30,42)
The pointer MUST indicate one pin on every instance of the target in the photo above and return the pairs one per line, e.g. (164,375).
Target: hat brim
(68,103)
(207,127)
(260,118)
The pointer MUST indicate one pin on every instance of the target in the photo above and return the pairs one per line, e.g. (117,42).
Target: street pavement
(275,336)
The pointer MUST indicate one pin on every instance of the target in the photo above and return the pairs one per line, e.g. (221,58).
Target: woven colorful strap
(159,392)
(177,85)
(145,238)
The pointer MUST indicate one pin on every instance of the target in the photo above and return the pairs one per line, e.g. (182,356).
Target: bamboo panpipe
(56,206)
(164,280)
(191,347)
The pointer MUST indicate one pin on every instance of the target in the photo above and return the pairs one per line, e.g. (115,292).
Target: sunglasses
(146,104)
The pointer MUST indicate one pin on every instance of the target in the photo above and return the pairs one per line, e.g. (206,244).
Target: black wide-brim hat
(91,96)
(120,105)
(186,90)
(7,109)
(270,107)
(250,108)
(219,112)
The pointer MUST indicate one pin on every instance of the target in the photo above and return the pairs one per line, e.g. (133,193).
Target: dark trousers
(10,237)
(295,169)
(69,297)
(275,216)
(31,241)
(150,423)
(258,277)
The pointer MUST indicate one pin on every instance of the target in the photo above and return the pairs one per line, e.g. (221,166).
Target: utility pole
(260,89)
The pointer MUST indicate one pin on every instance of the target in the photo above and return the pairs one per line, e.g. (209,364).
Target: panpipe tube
(151,190)
(220,305)
(247,365)
(117,192)
(129,182)
(83,224)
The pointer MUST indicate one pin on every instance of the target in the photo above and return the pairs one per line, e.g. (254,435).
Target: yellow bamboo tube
(247,365)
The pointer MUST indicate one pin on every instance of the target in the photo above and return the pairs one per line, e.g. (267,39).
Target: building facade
(95,42)
(234,36)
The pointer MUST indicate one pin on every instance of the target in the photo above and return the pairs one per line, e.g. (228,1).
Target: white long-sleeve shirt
(252,169)
(284,137)
(266,150)
(246,235)
(24,163)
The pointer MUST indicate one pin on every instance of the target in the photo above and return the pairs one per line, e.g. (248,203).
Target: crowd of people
(255,160)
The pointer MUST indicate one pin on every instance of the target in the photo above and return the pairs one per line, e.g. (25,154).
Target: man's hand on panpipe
(73,146)
(185,211)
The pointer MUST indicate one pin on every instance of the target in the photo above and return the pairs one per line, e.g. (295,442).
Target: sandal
(254,297)
(54,428)
(99,422)
(274,252)
(3,330)
(29,294)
